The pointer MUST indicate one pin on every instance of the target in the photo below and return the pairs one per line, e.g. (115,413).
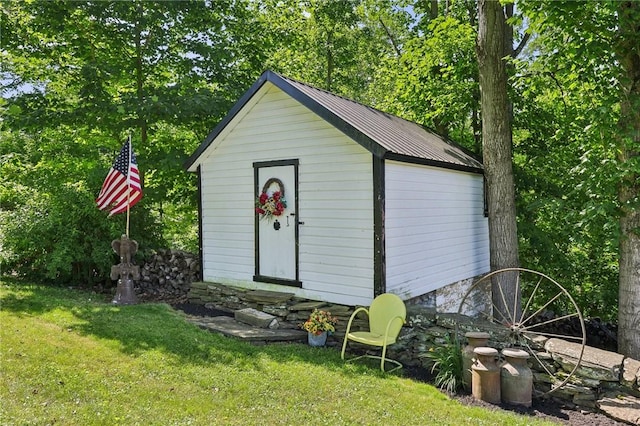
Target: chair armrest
(397,317)
(353,315)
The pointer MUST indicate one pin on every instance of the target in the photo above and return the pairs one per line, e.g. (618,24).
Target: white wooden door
(277,254)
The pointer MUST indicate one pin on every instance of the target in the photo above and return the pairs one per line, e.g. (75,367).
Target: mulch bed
(200,310)
(546,409)
(549,409)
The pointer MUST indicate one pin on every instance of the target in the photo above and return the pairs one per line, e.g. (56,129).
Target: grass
(70,357)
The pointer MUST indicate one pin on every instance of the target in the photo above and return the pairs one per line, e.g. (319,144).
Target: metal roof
(384,135)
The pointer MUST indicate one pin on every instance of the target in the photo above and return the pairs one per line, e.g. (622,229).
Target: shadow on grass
(156,326)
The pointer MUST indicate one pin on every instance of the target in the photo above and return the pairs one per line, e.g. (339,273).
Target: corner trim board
(379,252)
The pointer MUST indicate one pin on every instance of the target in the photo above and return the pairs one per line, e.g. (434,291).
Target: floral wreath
(269,205)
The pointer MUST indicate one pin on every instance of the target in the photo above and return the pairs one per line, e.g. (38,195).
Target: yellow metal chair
(387,315)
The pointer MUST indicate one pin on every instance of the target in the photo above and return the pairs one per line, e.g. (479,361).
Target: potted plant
(318,326)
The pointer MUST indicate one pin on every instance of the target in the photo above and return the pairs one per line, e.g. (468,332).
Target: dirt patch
(547,409)
(200,310)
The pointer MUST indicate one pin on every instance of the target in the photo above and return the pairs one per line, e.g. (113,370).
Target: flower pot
(317,339)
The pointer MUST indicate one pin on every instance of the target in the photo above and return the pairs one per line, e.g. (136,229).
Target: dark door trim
(274,280)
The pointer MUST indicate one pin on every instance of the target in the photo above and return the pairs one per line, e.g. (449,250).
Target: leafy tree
(435,82)
(433,78)
(566,225)
(165,71)
(585,55)
(334,45)
(49,226)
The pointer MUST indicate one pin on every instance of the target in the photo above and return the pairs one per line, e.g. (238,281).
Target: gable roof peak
(383,134)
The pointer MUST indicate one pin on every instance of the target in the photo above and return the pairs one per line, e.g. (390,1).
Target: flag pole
(129,183)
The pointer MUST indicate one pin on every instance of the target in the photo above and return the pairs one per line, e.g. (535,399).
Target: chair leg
(384,352)
(344,346)
(383,359)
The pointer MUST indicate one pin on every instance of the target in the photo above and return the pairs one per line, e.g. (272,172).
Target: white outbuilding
(362,202)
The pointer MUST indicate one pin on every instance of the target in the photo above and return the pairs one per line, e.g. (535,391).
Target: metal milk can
(516,378)
(476,339)
(485,375)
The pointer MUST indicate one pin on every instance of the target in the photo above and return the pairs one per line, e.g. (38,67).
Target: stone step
(595,364)
(230,327)
(266,297)
(256,318)
(307,306)
(621,407)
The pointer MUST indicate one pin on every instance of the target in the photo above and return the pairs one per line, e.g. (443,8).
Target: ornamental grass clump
(319,322)
(447,361)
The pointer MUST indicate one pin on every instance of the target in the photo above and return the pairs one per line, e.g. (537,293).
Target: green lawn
(71,358)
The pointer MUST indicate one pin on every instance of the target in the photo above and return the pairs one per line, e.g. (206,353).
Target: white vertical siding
(436,232)
(335,200)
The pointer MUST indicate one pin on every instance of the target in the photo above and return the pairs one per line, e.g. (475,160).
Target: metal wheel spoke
(496,309)
(515,298)
(488,317)
(504,303)
(527,337)
(470,305)
(544,306)
(533,352)
(526,308)
(465,302)
(560,336)
(550,321)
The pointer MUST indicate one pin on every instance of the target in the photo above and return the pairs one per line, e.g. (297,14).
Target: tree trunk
(497,152)
(433,13)
(329,80)
(629,187)
(142,121)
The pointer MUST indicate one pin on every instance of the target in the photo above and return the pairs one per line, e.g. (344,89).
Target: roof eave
(435,163)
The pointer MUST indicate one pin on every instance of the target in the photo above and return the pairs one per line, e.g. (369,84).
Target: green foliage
(447,362)
(434,82)
(79,76)
(567,109)
(438,80)
(50,228)
(334,45)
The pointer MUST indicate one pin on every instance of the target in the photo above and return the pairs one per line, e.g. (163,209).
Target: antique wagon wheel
(542,304)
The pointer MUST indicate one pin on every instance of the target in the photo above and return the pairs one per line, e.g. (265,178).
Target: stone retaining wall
(605,380)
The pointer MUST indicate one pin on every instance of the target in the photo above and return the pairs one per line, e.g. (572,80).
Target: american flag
(121,188)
